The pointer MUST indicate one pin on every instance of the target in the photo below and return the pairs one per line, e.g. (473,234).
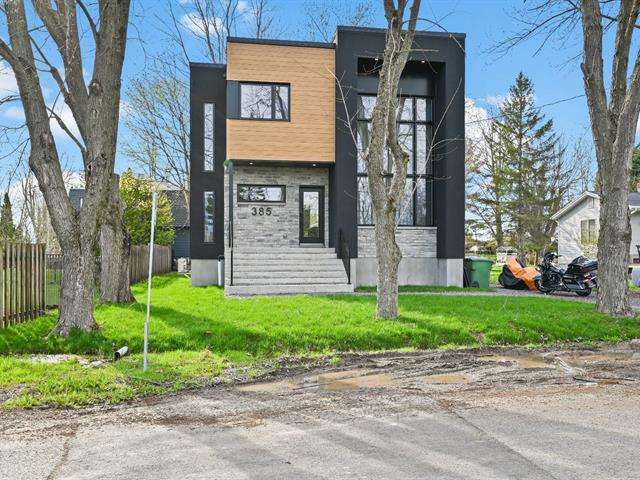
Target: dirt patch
(295,388)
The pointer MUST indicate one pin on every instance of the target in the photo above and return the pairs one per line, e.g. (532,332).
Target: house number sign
(262,211)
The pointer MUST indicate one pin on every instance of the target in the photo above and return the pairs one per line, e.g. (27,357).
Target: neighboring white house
(578,224)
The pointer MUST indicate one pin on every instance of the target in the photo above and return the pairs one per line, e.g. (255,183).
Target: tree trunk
(115,249)
(76,290)
(615,236)
(389,256)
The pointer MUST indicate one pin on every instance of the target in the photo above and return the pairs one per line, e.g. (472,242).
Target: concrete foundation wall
(413,242)
(412,271)
(204,272)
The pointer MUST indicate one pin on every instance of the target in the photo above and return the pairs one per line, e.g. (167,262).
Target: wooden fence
(22,282)
(139,261)
(138,268)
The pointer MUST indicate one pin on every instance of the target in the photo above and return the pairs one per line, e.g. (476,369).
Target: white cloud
(493,100)
(196,25)
(243,6)
(64,112)
(8,84)
(474,118)
(16,113)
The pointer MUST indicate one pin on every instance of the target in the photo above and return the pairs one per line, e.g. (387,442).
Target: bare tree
(158,121)
(384,134)
(95,109)
(321,17)
(613,110)
(261,19)
(115,250)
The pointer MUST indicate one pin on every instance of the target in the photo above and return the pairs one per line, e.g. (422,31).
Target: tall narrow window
(209,217)
(209,140)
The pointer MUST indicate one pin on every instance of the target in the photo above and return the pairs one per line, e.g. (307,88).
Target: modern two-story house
(278,185)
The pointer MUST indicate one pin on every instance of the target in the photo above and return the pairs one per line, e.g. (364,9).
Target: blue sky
(488,75)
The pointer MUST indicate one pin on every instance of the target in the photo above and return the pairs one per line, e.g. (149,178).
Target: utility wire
(539,106)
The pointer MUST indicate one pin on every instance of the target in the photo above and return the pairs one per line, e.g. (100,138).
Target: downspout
(230,173)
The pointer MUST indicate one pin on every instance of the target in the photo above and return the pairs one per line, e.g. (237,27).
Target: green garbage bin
(478,271)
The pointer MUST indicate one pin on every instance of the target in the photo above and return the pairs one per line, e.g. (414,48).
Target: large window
(264,101)
(414,134)
(588,232)
(209,145)
(209,217)
(261,193)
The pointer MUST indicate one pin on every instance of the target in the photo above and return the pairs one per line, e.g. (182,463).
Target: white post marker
(146,322)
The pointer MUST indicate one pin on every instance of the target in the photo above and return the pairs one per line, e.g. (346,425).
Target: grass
(196,334)
(426,288)
(496,270)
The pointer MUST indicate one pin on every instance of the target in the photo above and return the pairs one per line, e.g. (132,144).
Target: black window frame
(282,187)
(273,86)
(204,218)
(415,176)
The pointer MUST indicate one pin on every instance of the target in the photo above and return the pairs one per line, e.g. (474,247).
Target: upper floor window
(209,137)
(264,101)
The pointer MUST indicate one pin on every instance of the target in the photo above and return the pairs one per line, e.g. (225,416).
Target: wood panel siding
(310,135)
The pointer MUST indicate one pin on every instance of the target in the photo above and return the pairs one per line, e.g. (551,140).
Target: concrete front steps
(287,271)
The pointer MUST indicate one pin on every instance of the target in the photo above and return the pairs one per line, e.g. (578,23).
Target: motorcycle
(580,276)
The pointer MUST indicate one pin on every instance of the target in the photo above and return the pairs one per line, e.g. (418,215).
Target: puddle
(447,378)
(525,362)
(332,382)
(268,387)
(582,358)
(352,380)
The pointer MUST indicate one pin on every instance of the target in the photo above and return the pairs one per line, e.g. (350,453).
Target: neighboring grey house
(578,224)
(181,243)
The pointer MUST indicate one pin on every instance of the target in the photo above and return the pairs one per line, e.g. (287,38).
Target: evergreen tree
(534,167)
(8,231)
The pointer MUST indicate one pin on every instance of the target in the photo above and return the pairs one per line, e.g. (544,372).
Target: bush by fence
(22,282)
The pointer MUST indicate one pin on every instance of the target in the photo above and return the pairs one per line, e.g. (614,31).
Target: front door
(311,214)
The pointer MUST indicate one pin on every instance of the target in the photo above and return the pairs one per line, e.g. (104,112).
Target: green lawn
(426,288)
(496,270)
(196,334)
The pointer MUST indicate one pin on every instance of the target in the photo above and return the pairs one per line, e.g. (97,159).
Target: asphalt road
(553,415)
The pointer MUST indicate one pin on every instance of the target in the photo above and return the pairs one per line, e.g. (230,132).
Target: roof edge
(573,203)
(422,33)
(207,65)
(281,43)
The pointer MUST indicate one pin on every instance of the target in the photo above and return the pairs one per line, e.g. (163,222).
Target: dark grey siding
(208,85)
(181,243)
(443,71)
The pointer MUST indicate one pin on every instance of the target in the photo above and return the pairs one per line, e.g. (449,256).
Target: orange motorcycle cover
(526,274)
